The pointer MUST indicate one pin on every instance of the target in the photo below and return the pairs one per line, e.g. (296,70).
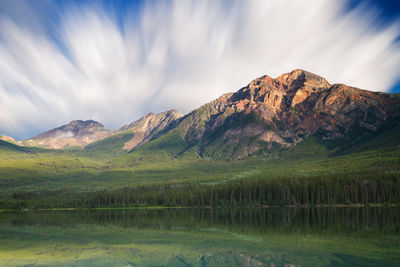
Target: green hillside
(110,146)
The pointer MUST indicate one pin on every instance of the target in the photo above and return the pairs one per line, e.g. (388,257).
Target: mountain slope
(136,133)
(149,126)
(272,114)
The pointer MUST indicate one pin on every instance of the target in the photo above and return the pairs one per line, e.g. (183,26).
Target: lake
(345,236)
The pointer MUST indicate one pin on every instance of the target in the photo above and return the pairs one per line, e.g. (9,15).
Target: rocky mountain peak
(300,78)
(151,119)
(80,127)
(295,85)
(84,123)
(174,112)
(76,128)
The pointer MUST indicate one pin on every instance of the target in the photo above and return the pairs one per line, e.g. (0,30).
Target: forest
(363,188)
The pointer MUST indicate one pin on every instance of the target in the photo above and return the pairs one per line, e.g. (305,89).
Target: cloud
(179,54)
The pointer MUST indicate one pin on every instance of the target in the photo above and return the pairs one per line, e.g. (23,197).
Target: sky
(115,61)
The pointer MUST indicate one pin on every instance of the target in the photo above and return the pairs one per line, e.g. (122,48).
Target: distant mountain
(76,133)
(270,114)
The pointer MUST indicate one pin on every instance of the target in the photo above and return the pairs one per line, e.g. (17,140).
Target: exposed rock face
(76,133)
(299,104)
(285,111)
(149,127)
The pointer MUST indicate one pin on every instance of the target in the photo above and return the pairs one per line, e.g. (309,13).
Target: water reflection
(283,220)
(367,236)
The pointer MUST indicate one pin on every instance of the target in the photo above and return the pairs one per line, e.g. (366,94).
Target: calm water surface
(202,237)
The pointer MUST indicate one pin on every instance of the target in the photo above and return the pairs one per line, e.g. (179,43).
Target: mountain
(137,133)
(265,117)
(76,133)
(272,114)
(149,126)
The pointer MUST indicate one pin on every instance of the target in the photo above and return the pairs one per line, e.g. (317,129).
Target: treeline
(329,190)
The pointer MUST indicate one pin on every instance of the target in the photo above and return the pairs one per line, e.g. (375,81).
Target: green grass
(109,147)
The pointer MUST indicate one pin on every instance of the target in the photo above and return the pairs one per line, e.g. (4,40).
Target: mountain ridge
(263,116)
(149,126)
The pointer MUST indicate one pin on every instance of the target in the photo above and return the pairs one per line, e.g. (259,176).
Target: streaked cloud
(93,64)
